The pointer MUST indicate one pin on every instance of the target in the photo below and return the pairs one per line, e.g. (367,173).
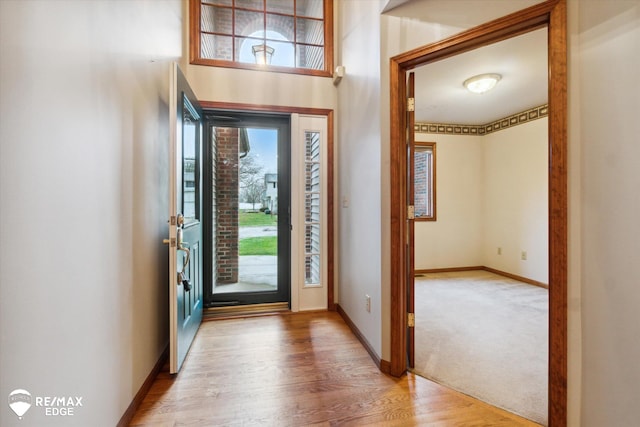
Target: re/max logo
(58,401)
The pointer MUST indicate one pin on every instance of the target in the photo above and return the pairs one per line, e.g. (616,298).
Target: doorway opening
(247,199)
(292,208)
(478,261)
(550,14)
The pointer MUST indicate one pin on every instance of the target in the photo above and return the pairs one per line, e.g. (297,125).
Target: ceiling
(522,62)
(455,13)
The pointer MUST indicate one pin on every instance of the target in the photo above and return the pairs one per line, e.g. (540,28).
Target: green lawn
(259,246)
(247,219)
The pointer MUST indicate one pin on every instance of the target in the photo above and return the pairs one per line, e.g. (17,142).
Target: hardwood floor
(299,370)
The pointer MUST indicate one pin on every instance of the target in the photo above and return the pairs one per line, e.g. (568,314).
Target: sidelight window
(312,208)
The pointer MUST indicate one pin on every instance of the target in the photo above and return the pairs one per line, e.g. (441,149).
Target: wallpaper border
(480,130)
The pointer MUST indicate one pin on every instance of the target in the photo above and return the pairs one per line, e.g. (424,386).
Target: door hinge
(411,104)
(411,320)
(411,212)
(173,220)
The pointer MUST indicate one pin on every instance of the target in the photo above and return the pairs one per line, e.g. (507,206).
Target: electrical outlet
(524,255)
(368,303)
(499,251)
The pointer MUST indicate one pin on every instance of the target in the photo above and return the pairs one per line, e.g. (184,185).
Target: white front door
(185,219)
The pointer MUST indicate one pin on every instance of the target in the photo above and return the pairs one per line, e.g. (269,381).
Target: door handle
(183,279)
(186,259)
(181,246)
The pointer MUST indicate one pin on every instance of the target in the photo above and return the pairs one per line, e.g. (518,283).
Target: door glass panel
(247,210)
(190,161)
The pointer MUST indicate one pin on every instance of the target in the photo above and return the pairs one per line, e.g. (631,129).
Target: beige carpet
(486,336)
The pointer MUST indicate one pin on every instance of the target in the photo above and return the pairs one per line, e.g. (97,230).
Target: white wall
(455,239)
(83,183)
(515,209)
(605,107)
(359,167)
(491,192)
(260,88)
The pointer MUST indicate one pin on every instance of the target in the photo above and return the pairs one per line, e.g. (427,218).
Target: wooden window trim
(194,45)
(434,210)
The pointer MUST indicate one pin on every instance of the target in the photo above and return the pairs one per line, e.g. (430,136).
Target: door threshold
(229,312)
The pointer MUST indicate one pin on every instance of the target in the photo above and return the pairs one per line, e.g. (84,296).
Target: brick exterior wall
(227,203)
(219,20)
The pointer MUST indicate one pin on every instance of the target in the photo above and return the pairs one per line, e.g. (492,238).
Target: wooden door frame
(410,138)
(328,113)
(551,14)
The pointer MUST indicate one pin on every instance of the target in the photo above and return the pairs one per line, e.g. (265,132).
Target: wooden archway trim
(552,14)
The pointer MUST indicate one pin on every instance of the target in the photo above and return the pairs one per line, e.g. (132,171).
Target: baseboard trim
(516,277)
(447,270)
(144,389)
(484,268)
(383,365)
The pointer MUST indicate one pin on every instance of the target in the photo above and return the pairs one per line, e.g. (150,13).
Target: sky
(264,148)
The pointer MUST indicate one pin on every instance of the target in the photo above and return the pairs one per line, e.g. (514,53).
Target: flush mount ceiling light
(482,83)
